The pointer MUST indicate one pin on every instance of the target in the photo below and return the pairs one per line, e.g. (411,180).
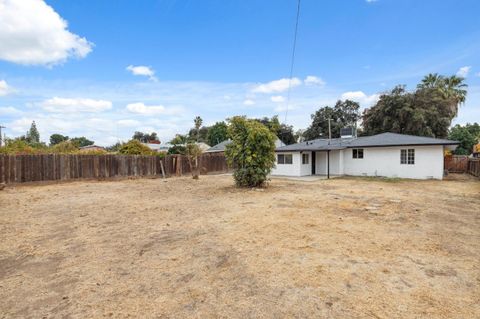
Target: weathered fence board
(50,167)
(474,167)
(456,163)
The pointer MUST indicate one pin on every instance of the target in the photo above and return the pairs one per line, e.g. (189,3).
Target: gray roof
(379,140)
(220,147)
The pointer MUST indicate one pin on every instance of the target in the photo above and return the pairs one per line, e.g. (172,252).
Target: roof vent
(347,132)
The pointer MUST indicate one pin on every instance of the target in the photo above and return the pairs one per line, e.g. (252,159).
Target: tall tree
(343,114)
(217,133)
(428,111)
(452,88)
(33,136)
(283,131)
(198,123)
(57,138)
(146,137)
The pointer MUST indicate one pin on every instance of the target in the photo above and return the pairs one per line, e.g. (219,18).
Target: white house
(386,154)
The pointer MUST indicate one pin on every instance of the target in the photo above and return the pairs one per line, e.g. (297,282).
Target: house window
(407,156)
(305,158)
(357,153)
(284,159)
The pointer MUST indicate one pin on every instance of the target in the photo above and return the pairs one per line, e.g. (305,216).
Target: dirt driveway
(343,248)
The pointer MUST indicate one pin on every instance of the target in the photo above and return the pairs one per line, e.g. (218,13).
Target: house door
(313,162)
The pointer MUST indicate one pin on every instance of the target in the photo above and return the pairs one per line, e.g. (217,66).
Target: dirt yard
(342,248)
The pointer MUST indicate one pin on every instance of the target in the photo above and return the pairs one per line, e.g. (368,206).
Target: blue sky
(103,69)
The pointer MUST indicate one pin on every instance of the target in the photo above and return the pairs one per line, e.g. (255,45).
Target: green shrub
(18,147)
(135,147)
(251,153)
(65,147)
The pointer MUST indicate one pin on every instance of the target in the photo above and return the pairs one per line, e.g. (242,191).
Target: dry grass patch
(182,248)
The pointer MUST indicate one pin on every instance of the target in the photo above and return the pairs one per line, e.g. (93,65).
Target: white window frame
(407,156)
(305,158)
(356,152)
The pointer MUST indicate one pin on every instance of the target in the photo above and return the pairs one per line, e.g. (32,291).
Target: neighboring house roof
(158,147)
(220,147)
(379,140)
(203,146)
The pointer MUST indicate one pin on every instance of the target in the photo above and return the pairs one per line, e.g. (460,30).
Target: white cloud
(277,86)
(283,108)
(277,99)
(478,74)
(9,110)
(58,104)
(4,88)
(312,80)
(360,97)
(463,71)
(31,32)
(128,123)
(142,70)
(249,102)
(371,1)
(141,108)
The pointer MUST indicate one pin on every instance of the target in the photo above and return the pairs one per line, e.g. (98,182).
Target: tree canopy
(252,151)
(57,138)
(282,131)
(427,111)
(146,137)
(217,133)
(81,141)
(468,135)
(343,114)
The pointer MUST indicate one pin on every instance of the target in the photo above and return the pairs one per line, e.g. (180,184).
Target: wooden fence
(474,167)
(456,163)
(52,167)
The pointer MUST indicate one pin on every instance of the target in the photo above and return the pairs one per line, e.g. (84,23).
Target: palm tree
(452,88)
(430,81)
(198,123)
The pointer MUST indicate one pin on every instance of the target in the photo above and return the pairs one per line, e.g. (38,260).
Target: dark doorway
(313,163)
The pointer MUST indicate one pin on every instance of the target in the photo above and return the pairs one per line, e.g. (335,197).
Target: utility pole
(329,131)
(1,135)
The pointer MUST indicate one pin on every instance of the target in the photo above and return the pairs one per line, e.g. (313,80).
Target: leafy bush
(19,147)
(65,147)
(135,147)
(251,153)
(193,152)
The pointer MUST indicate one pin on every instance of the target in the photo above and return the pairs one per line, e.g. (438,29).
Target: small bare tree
(193,152)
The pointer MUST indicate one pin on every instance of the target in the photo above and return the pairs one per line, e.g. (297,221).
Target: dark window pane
(281,159)
(288,159)
(354,153)
(403,156)
(360,153)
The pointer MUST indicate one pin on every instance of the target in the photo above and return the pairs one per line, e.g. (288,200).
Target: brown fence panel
(474,166)
(50,167)
(456,163)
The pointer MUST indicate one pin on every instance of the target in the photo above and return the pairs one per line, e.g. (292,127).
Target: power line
(292,63)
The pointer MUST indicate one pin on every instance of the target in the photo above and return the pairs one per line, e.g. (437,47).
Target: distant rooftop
(379,140)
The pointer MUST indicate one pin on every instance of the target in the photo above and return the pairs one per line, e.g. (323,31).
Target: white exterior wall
(377,161)
(294,169)
(385,161)
(336,163)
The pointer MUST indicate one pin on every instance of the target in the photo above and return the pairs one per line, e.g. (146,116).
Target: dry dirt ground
(342,248)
